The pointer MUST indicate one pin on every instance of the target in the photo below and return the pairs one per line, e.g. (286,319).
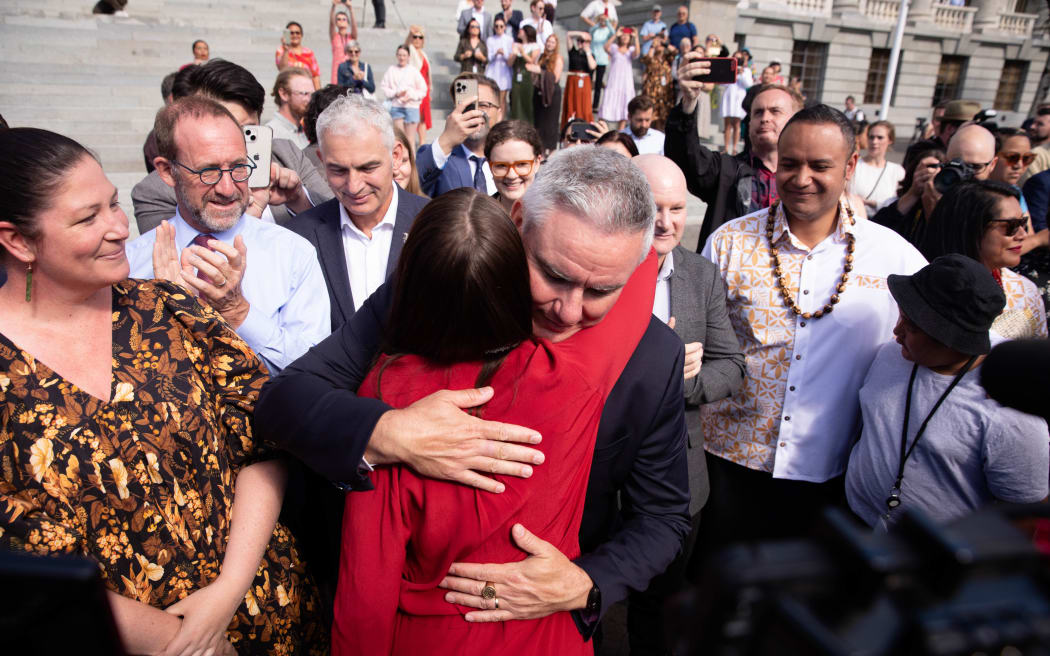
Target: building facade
(993,52)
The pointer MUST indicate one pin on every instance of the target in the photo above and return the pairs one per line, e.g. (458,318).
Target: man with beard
(806,289)
(279,306)
(731,185)
(457,158)
(648,139)
(291,92)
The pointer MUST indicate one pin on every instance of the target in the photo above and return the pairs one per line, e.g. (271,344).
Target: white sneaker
(121,14)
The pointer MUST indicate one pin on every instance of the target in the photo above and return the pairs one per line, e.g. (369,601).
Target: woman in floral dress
(657,83)
(125,410)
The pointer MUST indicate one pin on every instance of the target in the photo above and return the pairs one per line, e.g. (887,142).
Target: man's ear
(851,165)
(517,216)
(16,243)
(166,170)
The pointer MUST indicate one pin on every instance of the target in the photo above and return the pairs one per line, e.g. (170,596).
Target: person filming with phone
(457,158)
(731,185)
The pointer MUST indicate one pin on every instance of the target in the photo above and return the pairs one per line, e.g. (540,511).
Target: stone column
(714,17)
(920,11)
(987,17)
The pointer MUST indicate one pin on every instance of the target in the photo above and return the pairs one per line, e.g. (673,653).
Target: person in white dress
(499,46)
(732,106)
(875,179)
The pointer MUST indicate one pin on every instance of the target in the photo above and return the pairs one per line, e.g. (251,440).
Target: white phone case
(258,139)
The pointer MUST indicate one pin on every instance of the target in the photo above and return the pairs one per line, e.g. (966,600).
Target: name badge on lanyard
(579,83)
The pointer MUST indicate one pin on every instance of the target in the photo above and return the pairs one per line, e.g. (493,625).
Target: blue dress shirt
(282,282)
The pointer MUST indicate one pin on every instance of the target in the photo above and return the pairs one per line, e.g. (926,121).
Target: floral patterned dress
(658,85)
(144,483)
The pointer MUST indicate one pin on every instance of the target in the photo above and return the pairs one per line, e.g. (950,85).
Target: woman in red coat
(461,317)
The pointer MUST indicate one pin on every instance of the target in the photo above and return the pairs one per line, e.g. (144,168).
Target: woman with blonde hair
(418,58)
(405,172)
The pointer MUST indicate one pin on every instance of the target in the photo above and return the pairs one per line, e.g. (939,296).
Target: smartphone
(464,89)
(723,70)
(258,139)
(287,36)
(579,132)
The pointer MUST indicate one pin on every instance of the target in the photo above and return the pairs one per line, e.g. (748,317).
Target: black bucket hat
(953,299)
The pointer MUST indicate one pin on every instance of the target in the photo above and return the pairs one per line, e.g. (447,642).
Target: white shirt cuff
(439,157)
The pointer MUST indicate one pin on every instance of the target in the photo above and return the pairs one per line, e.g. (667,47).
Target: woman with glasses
(875,179)
(342,29)
(499,46)
(419,60)
(513,150)
(293,53)
(355,74)
(126,408)
(405,88)
(471,52)
(578,91)
(983,220)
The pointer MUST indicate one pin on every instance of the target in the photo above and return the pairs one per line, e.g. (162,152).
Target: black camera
(951,174)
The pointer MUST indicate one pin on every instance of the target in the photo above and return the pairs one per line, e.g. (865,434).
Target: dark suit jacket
(698,305)
(464,20)
(320,226)
(437,181)
(310,410)
(720,180)
(154,200)
(513,21)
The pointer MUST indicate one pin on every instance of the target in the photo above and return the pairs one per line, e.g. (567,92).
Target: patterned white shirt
(797,412)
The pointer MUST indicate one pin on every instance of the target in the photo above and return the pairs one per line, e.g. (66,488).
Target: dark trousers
(646,631)
(749,505)
(380,8)
(599,77)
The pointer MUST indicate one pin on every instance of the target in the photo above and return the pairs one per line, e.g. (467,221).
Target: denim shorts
(410,114)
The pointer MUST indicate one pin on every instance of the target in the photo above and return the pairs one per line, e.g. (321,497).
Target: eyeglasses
(502,169)
(1013,225)
(1013,158)
(291,33)
(487,106)
(212,174)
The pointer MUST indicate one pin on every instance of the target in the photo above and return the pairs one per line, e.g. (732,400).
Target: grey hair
(352,43)
(596,184)
(349,113)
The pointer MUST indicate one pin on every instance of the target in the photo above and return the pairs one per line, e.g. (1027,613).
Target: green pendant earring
(29,281)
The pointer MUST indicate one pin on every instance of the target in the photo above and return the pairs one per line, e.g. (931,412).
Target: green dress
(521,91)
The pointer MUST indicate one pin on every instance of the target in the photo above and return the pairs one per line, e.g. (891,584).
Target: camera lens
(253,137)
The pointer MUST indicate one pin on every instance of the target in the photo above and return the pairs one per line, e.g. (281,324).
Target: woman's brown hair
(412,186)
(512,130)
(462,288)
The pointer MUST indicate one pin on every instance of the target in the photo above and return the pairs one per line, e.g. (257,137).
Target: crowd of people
(400,393)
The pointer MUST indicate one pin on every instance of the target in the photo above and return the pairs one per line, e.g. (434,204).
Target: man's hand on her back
(460,124)
(436,438)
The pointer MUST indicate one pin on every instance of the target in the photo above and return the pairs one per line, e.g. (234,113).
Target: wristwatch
(594,601)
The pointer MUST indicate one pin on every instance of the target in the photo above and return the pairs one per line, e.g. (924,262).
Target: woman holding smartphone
(293,53)
(620,89)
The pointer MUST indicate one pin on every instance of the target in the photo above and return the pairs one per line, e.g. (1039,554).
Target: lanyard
(894,499)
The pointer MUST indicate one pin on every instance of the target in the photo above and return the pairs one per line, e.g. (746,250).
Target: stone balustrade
(810,7)
(881,11)
(956,19)
(1017,24)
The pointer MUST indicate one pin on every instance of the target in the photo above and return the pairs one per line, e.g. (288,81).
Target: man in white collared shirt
(291,92)
(647,139)
(476,12)
(277,303)
(359,233)
(807,295)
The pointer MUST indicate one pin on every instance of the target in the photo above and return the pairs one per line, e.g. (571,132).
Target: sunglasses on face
(1011,226)
(417,36)
(353,51)
(1013,158)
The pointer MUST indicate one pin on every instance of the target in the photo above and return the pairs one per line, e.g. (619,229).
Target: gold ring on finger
(489,591)
(221,284)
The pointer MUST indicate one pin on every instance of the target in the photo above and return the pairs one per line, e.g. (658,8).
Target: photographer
(971,156)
